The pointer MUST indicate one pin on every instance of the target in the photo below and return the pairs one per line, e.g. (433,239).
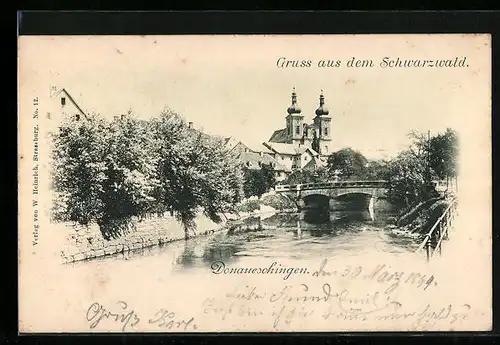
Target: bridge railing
(433,240)
(331,184)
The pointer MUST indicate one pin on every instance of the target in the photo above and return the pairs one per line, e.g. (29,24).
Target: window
(320,131)
(326,130)
(297,130)
(63,100)
(326,149)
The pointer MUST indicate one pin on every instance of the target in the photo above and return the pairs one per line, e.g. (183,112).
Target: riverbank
(417,221)
(269,200)
(86,242)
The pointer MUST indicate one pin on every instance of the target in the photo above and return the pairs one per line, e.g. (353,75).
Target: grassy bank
(420,218)
(269,202)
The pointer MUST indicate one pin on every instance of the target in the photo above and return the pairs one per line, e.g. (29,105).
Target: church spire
(322,110)
(294,108)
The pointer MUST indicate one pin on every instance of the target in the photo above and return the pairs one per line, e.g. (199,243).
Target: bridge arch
(336,192)
(317,201)
(354,193)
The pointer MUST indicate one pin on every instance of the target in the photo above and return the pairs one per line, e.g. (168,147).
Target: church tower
(322,122)
(294,122)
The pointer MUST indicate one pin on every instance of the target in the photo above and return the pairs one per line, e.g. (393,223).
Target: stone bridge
(324,194)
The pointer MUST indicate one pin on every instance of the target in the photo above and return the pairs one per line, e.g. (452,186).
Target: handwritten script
(128,318)
(296,303)
(377,293)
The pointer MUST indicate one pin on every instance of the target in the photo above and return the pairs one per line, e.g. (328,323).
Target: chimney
(190,124)
(53,91)
(261,154)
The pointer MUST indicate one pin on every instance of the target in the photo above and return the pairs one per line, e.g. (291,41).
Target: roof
(303,149)
(312,125)
(279,136)
(259,148)
(314,163)
(289,149)
(202,134)
(63,90)
(253,160)
(230,143)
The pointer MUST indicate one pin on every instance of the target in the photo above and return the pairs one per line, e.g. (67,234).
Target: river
(284,236)
(179,276)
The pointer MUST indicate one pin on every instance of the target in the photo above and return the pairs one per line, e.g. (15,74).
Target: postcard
(255,183)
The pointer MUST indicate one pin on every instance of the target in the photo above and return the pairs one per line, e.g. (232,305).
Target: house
(62,106)
(254,157)
(315,163)
(291,156)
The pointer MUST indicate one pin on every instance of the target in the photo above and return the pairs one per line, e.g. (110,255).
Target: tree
(375,170)
(307,176)
(111,173)
(440,152)
(348,163)
(194,170)
(127,190)
(103,173)
(443,154)
(269,175)
(408,182)
(429,157)
(79,170)
(258,181)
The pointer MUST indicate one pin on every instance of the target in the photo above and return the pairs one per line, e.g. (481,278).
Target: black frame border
(262,22)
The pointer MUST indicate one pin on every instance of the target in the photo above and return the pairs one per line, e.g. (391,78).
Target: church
(303,145)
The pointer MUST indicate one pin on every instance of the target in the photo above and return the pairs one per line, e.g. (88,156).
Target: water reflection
(306,235)
(297,235)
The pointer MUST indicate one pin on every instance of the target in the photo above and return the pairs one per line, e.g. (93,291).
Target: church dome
(322,110)
(294,108)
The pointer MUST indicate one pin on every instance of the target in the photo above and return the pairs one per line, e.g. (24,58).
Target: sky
(232,86)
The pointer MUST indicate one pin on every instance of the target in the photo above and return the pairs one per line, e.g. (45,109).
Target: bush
(249,205)
(427,215)
(410,214)
(278,202)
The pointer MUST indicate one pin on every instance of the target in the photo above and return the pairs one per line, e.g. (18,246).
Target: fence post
(446,226)
(440,232)
(428,248)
